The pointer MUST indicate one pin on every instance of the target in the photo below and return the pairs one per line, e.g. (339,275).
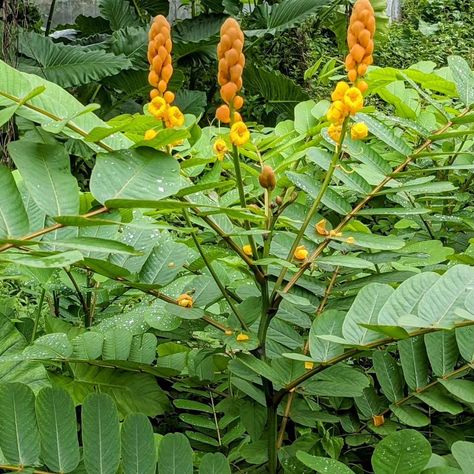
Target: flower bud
(267,178)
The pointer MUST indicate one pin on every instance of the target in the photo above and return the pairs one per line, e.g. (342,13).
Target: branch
(52,228)
(335,360)
(356,209)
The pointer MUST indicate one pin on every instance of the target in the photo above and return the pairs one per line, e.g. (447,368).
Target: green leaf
(254,417)
(406,298)
(438,398)
(47,175)
(374,241)
(175,455)
(138,446)
(119,13)
(58,260)
(463,78)
(191,102)
(67,65)
(328,323)
(331,198)
(389,375)
(352,180)
(364,153)
(410,416)
(100,434)
(414,361)
(347,261)
(438,305)
(320,464)
(58,429)
(442,351)
(13,217)
(117,344)
(462,389)
(384,133)
(278,90)
(304,119)
(88,345)
(463,452)
(214,463)
(365,309)
(53,105)
(19,438)
(465,341)
(282,16)
(402,452)
(131,175)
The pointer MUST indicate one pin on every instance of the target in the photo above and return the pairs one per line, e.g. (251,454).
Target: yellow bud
(321,227)
(308,365)
(378,420)
(247,250)
(150,134)
(242,337)
(350,240)
(228,332)
(301,253)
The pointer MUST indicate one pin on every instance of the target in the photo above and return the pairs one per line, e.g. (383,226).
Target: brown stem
(52,228)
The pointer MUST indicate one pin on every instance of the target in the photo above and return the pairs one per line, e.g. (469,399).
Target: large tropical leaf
(13,217)
(279,91)
(68,65)
(119,13)
(266,19)
(47,175)
(53,106)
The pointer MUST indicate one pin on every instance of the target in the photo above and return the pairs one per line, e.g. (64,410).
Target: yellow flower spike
(308,365)
(359,131)
(350,240)
(353,100)
(337,112)
(242,337)
(220,148)
(150,134)
(301,253)
(239,134)
(174,117)
(321,227)
(247,250)
(185,300)
(339,91)
(335,131)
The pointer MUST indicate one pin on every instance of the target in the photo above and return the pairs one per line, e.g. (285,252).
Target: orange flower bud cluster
(360,40)
(161,70)
(231,66)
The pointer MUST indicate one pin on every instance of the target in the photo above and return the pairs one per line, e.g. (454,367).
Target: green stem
(213,273)
(81,299)
(38,315)
(272,439)
(314,208)
(243,203)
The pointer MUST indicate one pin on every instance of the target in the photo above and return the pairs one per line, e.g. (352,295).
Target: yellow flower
(337,112)
(339,91)
(334,131)
(158,108)
(321,227)
(301,253)
(247,250)
(185,301)
(359,131)
(242,337)
(174,117)
(308,365)
(350,240)
(378,420)
(220,148)
(239,134)
(353,100)
(150,134)
(228,332)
